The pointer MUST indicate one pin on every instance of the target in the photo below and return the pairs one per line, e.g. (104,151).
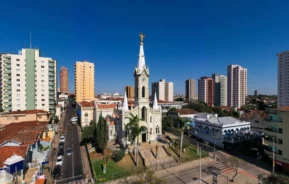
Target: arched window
(143,91)
(136,92)
(143,113)
(157,129)
(86,114)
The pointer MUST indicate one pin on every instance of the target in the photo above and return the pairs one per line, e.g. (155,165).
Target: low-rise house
(106,110)
(12,162)
(258,120)
(85,112)
(186,113)
(23,116)
(166,106)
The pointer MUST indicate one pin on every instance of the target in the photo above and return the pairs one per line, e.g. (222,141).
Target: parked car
(56,171)
(60,152)
(74,119)
(61,145)
(59,160)
(68,151)
(62,138)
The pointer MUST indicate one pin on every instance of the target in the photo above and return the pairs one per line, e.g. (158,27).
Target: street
(72,169)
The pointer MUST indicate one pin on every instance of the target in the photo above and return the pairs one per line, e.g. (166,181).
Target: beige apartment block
(84,81)
(129,91)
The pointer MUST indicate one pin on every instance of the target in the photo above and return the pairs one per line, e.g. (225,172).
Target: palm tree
(181,125)
(134,131)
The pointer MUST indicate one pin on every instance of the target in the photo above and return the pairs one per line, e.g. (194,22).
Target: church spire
(141,58)
(125,104)
(156,106)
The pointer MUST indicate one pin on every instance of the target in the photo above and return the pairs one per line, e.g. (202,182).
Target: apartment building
(220,90)
(84,81)
(276,137)
(64,80)
(129,91)
(206,90)
(164,90)
(190,89)
(283,79)
(28,81)
(237,86)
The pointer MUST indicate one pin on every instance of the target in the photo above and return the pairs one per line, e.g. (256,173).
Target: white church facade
(150,116)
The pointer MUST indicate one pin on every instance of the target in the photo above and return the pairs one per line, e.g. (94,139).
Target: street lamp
(256,149)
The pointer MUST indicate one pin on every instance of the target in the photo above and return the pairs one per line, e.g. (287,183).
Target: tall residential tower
(190,89)
(129,91)
(28,81)
(220,90)
(283,79)
(206,90)
(84,81)
(64,80)
(237,86)
(164,90)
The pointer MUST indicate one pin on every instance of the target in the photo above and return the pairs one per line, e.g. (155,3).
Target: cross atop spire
(141,58)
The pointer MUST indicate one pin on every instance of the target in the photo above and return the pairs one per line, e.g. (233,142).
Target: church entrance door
(144,137)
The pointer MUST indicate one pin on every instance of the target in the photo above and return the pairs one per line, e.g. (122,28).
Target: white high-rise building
(191,89)
(164,90)
(237,86)
(28,81)
(283,79)
(220,90)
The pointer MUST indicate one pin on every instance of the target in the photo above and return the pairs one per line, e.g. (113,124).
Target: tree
(134,131)
(88,133)
(172,109)
(274,178)
(101,134)
(117,155)
(181,124)
(234,162)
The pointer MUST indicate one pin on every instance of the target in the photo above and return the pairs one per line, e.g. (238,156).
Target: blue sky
(184,38)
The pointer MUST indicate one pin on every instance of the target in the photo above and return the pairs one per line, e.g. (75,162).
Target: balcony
(51,107)
(7,77)
(274,130)
(51,102)
(7,61)
(271,120)
(7,67)
(7,71)
(51,84)
(51,64)
(51,78)
(51,88)
(7,87)
(51,70)
(7,103)
(7,93)
(7,82)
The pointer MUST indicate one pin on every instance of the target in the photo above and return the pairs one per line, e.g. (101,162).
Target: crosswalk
(220,166)
(77,182)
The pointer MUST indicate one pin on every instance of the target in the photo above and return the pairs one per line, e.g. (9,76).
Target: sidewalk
(85,161)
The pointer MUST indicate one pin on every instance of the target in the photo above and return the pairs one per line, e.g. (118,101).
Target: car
(62,139)
(74,119)
(60,152)
(59,160)
(56,171)
(61,145)
(68,151)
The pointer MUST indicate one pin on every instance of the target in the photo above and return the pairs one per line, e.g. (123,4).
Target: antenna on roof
(30,41)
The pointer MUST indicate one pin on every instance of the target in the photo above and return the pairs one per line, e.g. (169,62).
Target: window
(17,59)
(42,66)
(42,100)
(42,80)
(143,92)
(279,152)
(18,69)
(18,95)
(43,104)
(86,114)
(42,61)
(280,130)
(151,131)
(18,90)
(143,113)
(42,94)
(151,119)
(280,141)
(110,132)
(157,129)
(42,71)
(18,105)
(42,75)
(42,89)
(17,64)
(17,80)
(18,85)
(18,75)
(256,121)
(18,100)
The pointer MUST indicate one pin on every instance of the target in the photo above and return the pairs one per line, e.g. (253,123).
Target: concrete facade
(84,81)
(164,90)
(64,80)
(129,91)
(190,89)
(206,90)
(28,81)
(283,79)
(220,90)
(237,86)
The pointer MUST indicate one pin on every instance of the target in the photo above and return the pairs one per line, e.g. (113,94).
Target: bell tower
(141,76)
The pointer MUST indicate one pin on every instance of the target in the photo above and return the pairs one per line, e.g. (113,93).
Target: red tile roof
(8,151)
(29,112)
(254,113)
(106,106)
(186,111)
(286,109)
(23,132)
(86,104)
(161,101)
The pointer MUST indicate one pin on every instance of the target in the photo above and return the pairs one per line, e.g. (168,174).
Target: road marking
(68,178)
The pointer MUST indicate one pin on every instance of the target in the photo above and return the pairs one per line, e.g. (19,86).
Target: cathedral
(150,116)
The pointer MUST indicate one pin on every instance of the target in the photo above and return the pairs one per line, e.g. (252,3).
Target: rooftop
(211,119)
(8,151)
(86,104)
(28,112)
(285,109)
(106,106)
(186,111)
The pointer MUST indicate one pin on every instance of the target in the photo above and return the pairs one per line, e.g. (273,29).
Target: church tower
(141,76)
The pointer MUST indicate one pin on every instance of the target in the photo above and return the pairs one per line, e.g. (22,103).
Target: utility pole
(200,164)
(273,149)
